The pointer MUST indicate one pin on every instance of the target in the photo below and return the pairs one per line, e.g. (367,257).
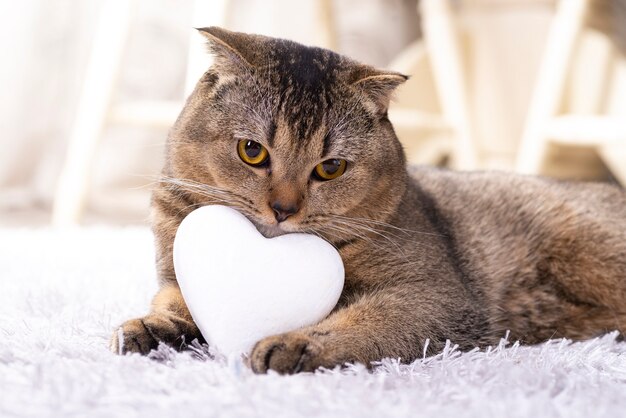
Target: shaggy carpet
(62,293)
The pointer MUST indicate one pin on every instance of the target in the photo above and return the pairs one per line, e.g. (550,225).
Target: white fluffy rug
(61,294)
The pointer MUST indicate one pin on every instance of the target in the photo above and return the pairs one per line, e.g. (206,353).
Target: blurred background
(89,88)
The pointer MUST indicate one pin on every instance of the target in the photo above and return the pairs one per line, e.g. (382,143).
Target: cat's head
(297,138)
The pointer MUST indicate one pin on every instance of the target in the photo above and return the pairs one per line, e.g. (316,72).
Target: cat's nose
(283,211)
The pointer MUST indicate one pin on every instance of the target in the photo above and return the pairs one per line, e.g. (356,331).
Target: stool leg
(326,36)
(443,48)
(548,92)
(94,103)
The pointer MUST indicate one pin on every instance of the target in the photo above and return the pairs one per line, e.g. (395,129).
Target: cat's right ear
(231,48)
(377,85)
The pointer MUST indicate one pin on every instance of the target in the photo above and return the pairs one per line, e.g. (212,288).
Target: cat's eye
(252,153)
(330,169)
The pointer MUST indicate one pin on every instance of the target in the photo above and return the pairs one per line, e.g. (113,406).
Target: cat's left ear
(233,48)
(377,85)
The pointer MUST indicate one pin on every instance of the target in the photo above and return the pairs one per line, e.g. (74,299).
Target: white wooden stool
(545,128)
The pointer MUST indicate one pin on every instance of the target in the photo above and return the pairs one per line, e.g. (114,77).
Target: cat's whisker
(199,188)
(201,192)
(342,231)
(383,224)
(215,194)
(370,228)
(352,233)
(192,183)
(367,229)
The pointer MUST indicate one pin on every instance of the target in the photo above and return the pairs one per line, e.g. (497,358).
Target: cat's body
(545,258)
(429,255)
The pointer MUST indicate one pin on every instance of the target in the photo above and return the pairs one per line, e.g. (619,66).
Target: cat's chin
(270,231)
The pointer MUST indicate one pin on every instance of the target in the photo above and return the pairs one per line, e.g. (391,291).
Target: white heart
(241,287)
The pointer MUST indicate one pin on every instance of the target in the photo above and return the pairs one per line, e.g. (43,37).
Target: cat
(298,139)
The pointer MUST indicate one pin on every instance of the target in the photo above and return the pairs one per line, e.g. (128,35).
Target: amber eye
(330,169)
(252,153)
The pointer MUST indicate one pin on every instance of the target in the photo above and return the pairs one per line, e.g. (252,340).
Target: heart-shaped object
(241,287)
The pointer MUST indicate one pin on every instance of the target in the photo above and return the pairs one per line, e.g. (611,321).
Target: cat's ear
(232,47)
(377,85)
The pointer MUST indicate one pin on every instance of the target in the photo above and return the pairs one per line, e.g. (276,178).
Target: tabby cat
(298,139)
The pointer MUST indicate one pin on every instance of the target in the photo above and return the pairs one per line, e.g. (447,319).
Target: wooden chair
(593,126)
(95,107)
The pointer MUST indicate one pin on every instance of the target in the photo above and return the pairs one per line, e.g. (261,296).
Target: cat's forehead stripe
(327,144)
(271,134)
(304,77)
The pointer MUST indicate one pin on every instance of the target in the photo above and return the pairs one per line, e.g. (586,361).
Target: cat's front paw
(133,336)
(290,353)
(143,335)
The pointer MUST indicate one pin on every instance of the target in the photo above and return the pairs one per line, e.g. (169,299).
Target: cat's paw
(133,336)
(143,335)
(289,353)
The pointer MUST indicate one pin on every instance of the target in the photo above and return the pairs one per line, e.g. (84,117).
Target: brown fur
(429,254)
